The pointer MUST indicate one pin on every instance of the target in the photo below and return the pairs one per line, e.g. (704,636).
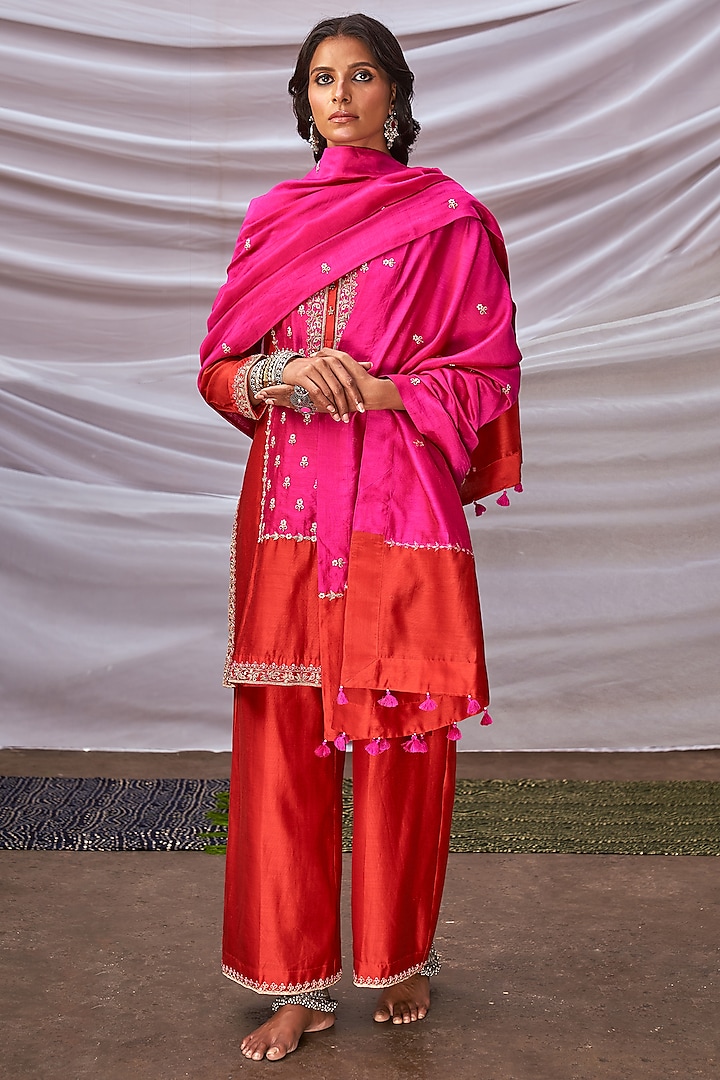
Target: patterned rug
(514,816)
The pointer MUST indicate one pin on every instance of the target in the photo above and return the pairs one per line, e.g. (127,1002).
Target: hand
(332,378)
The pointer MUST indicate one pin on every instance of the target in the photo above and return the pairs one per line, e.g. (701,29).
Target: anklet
(316,999)
(432,965)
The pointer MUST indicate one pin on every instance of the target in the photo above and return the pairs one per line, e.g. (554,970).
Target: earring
(390,129)
(313,138)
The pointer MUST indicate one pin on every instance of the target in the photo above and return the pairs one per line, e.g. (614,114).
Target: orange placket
(330,316)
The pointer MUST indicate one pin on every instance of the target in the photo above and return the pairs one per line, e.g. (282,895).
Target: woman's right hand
(331,386)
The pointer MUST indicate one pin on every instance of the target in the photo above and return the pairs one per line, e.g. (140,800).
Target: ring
(301,401)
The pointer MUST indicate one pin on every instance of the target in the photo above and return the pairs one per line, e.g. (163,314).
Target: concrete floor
(557,967)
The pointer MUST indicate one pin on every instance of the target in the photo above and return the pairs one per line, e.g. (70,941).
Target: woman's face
(350,96)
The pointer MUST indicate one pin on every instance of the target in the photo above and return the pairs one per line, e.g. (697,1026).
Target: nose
(341,93)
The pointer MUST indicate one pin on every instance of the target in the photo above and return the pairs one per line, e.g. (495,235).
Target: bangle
(254,378)
(275,365)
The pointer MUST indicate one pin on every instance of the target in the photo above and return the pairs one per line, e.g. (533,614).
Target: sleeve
(224,386)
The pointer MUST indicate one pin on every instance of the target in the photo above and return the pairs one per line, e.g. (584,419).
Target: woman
(364,340)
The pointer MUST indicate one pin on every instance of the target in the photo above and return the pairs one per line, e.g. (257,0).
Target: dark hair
(385,48)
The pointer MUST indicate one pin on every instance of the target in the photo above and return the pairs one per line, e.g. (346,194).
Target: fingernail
(331,408)
(335,417)
(346,419)
(360,407)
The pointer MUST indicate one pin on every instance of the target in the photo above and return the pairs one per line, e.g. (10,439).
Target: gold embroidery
(259,674)
(418,339)
(279,988)
(289,536)
(304,462)
(388,262)
(226,348)
(265,481)
(338,562)
(330,595)
(482,309)
(429,547)
(271,504)
(292,439)
(248,245)
(286,482)
(299,505)
(277,461)
(347,288)
(414,380)
(283,525)
(325,268)
(364,268)
(240,389)
(387,982)
(418,442)
(507,389)
(232,595)
(452,204)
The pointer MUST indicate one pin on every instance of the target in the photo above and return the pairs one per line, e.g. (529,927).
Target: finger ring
(301,401)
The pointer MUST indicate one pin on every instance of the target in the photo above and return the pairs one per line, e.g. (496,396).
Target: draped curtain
(133,136)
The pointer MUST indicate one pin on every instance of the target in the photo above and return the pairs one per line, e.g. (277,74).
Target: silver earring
(390,129)
(312,137)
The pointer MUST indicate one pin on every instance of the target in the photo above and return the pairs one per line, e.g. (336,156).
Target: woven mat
(573,816)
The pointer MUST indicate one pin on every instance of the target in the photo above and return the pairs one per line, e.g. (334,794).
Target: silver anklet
(432,965)
(315,999)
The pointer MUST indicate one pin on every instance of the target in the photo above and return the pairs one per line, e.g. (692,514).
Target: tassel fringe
(504,499)
(323,750)
(341,741)
(454,732)
(428,705)
(341,698)
(388,700)
(473,706)
(377,746)
(415,745)
(486,719)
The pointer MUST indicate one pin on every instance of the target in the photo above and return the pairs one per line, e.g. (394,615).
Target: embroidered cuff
(240,393)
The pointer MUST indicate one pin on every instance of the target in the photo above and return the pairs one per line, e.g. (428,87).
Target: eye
(323,78)
(363,76)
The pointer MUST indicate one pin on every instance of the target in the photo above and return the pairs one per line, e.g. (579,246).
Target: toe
(381,1015)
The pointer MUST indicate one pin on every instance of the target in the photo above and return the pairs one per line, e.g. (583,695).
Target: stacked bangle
(268,370)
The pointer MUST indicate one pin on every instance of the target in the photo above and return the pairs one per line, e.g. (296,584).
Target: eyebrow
(358,64)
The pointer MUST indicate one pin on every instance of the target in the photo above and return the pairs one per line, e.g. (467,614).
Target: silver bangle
(254,378)
(273,372)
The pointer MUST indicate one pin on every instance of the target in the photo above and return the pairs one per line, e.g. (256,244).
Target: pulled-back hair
(385,49)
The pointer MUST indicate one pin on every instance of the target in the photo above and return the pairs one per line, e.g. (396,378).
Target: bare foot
(280,1034)
(405,1001)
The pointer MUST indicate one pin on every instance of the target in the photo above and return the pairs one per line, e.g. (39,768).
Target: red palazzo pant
(281,930)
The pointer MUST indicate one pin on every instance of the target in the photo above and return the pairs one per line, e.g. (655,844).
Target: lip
(342,117)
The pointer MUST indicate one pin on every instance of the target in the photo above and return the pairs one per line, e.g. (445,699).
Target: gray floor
(557,967)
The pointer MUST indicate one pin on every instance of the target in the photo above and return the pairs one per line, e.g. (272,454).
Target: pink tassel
(486,719)
(416,744)
(341,698)
(473,706)
(504,499)
(518,488)
(454,732)
(377,746)
(341,741)
(323,750)
(389,701)
(479,509)
(428,704)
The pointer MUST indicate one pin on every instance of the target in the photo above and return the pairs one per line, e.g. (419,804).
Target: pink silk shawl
(390,483)
(355,205)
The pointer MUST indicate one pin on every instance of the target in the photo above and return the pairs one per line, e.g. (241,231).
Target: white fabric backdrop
(133,135)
